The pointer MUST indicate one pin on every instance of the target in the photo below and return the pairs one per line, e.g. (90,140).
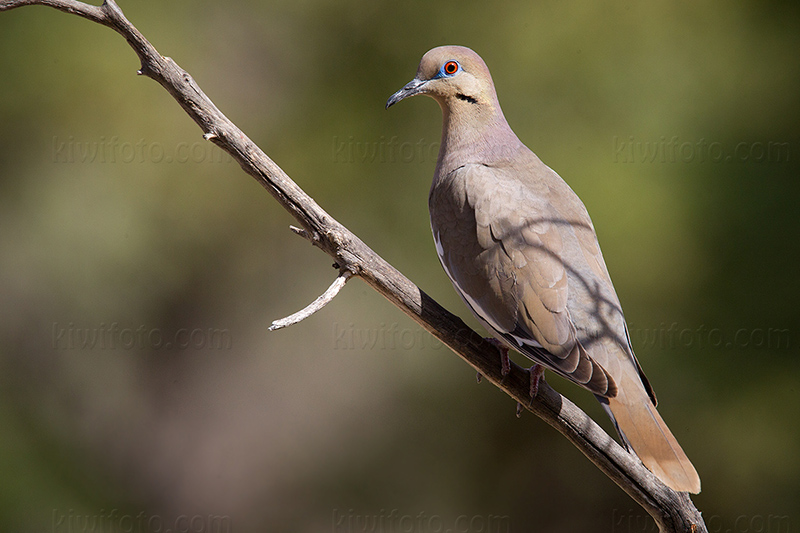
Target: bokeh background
(140,267)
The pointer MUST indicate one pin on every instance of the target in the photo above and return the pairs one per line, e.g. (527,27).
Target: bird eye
(450,68)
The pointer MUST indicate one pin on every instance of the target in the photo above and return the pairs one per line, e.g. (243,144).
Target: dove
(521,251)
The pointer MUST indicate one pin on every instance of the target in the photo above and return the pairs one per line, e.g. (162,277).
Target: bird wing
(507,250)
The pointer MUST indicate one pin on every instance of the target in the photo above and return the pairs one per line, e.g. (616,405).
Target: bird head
(452,75)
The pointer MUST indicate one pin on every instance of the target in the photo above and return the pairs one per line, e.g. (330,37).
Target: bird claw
(505,362)
(536,372)
(519,410)
(479,377)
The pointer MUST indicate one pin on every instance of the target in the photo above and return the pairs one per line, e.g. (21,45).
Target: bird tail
(642,429)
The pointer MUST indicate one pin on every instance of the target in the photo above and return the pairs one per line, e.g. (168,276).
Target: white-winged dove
(521,250)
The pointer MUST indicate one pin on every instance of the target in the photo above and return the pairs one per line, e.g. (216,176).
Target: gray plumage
(521,250)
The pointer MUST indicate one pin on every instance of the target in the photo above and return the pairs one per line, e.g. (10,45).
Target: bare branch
(90,12)
(314,306)
(672,511)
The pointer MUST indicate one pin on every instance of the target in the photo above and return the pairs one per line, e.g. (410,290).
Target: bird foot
(479,377)
(536,372)
(505,362)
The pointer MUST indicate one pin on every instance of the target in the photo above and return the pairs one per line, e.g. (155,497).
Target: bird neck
(473,133)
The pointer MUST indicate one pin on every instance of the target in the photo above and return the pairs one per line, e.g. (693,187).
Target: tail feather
(642,429)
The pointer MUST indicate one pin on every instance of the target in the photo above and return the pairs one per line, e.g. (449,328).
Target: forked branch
(672,511)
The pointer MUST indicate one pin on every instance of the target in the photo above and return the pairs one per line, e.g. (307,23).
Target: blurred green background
(140,267)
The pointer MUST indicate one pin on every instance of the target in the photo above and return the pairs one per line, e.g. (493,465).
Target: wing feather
(508,265)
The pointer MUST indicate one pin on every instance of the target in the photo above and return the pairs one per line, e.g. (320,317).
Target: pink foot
(505,362)
(536,372)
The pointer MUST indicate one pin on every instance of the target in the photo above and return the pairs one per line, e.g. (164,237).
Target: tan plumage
(520,248)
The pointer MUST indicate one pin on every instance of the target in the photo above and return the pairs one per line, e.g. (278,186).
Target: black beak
(413,87)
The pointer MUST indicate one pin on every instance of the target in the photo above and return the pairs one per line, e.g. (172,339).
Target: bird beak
(413,87)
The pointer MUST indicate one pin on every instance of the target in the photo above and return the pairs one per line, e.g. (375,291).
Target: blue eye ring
(450,68)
